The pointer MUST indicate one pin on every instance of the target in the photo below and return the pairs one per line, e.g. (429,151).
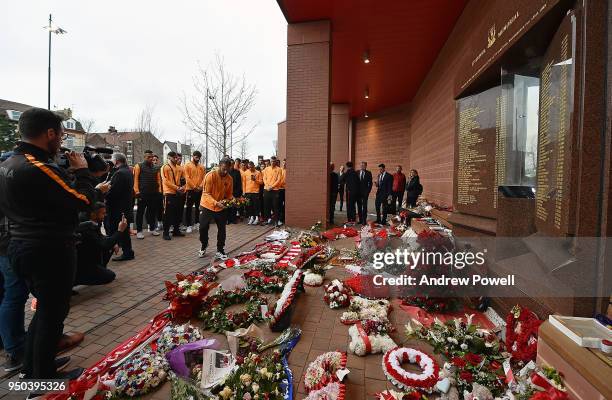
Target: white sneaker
(269,221)
(155,233)
(140,235)
(279,223)
(251,220)
(221,256)
(189,229)
(201,253)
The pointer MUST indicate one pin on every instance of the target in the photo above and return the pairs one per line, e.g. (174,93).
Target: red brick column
(339,149)
(308,123)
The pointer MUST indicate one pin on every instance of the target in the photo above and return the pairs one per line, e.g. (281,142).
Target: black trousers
(281,205)
(381,202)
(353,202)
(173,212)
(254,207)
(48,268)
(262,211)
(363,208)
(341,193)
(96,274)
(220,218)
(147,207)
(411,201)
(271,204)
(397,199)
(192,199)
(160,208)
(332,206)
(113,218)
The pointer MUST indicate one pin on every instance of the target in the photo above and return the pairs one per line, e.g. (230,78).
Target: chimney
(111,129)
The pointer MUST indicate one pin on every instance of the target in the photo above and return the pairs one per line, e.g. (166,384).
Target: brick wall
(281,143)
(383,138)
(339,143)
(308,122)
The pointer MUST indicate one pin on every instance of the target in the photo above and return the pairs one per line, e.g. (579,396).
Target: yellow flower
(226,393)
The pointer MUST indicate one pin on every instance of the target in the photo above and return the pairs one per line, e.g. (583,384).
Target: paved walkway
(112,313)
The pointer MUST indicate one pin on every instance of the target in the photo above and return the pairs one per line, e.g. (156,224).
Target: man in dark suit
(365,187)
(353,193)
(119,203)
(333,192)
(384,184)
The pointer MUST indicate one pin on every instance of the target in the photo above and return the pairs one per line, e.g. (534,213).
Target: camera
(93,156)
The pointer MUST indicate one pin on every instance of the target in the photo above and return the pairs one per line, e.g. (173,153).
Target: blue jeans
(12,309)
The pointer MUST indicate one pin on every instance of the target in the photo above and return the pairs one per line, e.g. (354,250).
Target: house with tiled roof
(177,147)
(75,134)
(132,144)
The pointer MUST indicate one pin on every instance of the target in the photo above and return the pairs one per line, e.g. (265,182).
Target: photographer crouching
(42,245)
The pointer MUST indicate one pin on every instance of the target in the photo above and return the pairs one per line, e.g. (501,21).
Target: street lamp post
(208,97)
(57,31)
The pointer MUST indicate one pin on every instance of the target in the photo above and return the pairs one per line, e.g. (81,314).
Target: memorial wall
(555,136)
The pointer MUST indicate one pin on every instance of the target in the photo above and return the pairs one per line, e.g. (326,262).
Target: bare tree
(219,107)
(146,123)
(244,150)
(88,124)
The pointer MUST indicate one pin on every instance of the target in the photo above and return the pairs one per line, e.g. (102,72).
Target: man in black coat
(94,250)
(384,184)
(119,203)
(353,194)
(236,191)
(333,192)
(365,187)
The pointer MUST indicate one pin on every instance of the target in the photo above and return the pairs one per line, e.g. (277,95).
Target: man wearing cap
(384,190)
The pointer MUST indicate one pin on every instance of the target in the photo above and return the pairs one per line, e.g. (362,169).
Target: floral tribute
(140,374)
(271,251)
(324,370)
(364,309)
(337,295)
(313,279)
(331,391)
(175,335)
(434,241)
(216,318)
(434,304)
(186,294)
(257,377)
(522,334)
(392,367)
(370,337)
(266,279)
(476,354)
(287,296)
(393,395)
(306,240)
(305,256)
(237,202)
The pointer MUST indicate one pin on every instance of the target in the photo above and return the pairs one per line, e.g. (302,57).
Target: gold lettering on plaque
(470,160)
(492,37)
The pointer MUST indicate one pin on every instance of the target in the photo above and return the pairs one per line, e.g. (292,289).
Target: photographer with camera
(94,249)
(119,203)
(42,246)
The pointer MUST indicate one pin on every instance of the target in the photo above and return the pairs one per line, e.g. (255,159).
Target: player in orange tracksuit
(251,181)
(273,179)
(171,174)
(218,186)
(194,177)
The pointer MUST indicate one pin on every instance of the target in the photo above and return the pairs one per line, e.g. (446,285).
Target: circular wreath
(336,294)
(217,319)
(140,374)
(266,279)
(392,367)
(522,333)
(322,370)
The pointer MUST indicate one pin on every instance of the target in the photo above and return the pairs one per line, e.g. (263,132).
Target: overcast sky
(121,56)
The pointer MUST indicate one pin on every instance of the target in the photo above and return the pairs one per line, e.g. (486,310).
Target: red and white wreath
(332,391)
(325,369)
(392,367)
(336,294)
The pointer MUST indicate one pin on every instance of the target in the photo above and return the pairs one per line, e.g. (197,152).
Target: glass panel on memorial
(517,141)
